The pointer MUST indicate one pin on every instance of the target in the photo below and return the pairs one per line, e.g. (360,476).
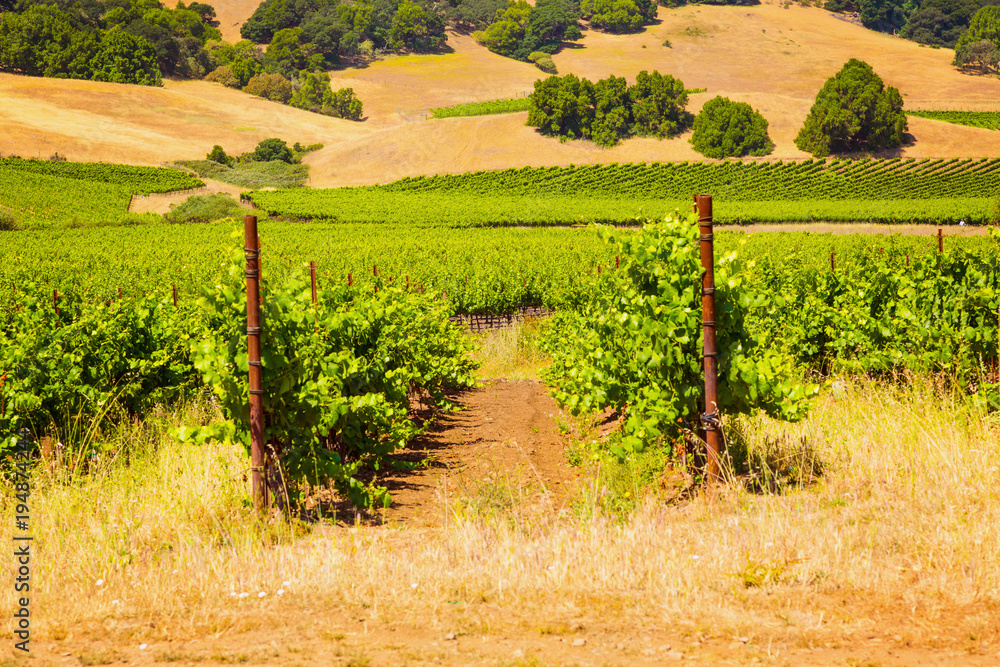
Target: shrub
(272,150)
(274,87)
(8,223)
(223,75)
(854,111)
(219,155)
(543,61)
(730,129)
(204,208)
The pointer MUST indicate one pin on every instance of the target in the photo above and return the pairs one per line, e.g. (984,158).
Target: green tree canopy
(125,58)
(610,110)
(658,105)
(854,111)
(272,149)
(730,129)
(985,25)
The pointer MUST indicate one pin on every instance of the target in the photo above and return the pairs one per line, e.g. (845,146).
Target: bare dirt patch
(502,445)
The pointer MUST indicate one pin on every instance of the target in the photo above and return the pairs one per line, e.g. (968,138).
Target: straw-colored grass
(887,524)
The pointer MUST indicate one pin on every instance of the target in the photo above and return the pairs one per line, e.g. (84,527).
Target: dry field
(772,57)
(880,550)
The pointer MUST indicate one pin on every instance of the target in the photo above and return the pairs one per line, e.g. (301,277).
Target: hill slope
(774,58)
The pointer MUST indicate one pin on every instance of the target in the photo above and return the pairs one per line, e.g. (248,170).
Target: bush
(219,155)
(730,129)
(223,75)
(272,150)
(543,61)
(854,111)
(274,87)
(8,223)
(204,208)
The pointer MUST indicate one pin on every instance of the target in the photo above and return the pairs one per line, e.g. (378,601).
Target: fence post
(940,240)
(312,279)
(175,295)
(55,303)
(252,254)
(833,263)
(710,419)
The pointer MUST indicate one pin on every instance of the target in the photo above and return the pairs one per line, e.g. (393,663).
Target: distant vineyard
(482,108)
(989,120)
(135,180)
(934,191)
(80,194)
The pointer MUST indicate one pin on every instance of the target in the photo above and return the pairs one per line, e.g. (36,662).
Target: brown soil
(504,440)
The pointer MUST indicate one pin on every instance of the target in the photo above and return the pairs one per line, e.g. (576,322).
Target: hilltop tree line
(971,27)
(854,112)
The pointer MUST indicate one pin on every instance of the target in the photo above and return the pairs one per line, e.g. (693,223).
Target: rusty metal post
(833,263)
(312,279)
(710,419)
(257,462)
(616,261)
(940,240)
(55,301)
(350,280)
(175,295)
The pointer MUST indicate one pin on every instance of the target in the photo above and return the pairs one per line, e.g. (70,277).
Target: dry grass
(510,352)
(902,528)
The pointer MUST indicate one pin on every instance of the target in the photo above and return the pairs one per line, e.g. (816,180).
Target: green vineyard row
(933,191)
(989,120)
(512,105)
(53,193)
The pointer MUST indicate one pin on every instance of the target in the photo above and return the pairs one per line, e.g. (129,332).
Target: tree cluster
(725,128)
(332,29)
(979,47)
(618,16)
(281,74)
(123,41)
(268,150)
(854,111)
(932,22)
(610,110)
(520,30)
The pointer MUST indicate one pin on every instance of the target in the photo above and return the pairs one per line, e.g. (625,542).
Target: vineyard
(57,193)
(989,120)
(512,105)
(75,346)
(933,191)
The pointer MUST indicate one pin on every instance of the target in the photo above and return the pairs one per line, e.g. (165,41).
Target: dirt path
(162,202)
(504,441)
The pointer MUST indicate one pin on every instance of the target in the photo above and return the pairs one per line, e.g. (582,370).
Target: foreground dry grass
(891,554)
